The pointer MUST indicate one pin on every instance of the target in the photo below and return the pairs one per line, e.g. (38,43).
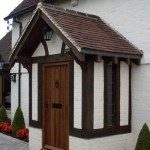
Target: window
(111,109)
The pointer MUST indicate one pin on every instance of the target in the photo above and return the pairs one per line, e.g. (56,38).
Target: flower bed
(6,128)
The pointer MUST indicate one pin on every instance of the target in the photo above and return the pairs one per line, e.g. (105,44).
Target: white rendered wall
(25,95)
(77,96)
(15,27)
(35,138)
(124,93)
(98,95)
(35,92)
(14,91)
(24,98)
(140,77)
(118,142)
(54,47)
(24,77)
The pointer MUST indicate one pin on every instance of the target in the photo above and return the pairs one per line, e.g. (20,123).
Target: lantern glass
(47,33)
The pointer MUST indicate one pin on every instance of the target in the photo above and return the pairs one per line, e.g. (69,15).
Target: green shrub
(3,114)
(143,142)
(18,121)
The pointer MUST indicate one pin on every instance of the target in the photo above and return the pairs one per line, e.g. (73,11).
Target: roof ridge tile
(73,12)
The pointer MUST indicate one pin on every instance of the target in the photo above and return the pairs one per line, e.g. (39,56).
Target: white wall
(98,95)
(124,93)
(77,96)
(35,138)
(54,47)
(118,142)
(24,77)
(14,91)
(140,97)
(24,93)
(35,92)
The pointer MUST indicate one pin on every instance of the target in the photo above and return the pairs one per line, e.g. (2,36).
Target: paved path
(9,143)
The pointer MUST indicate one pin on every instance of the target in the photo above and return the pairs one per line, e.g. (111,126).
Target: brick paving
(9,143)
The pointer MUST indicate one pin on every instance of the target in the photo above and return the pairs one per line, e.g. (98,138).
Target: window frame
(116,122)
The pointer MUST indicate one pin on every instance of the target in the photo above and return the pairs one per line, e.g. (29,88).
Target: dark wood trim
(28,67)
(63,48)
(45,46)
(115,60)
(95,133)
(51,58)
(71,95)
(22,59)
(98,58)
(117,94)
(88,95)
(81,63)
(136,61)
(34,123)
(130,101)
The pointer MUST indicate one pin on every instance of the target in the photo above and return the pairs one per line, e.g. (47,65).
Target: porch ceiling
(86,33)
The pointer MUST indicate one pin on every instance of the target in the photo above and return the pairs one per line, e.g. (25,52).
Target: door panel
(55,106)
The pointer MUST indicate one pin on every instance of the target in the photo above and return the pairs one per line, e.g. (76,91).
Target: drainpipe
(19,67)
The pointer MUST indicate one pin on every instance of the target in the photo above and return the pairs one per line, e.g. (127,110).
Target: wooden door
(56,106)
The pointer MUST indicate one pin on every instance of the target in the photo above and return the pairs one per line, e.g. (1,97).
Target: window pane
(110,94)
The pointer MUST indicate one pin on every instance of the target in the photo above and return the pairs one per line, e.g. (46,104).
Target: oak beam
(98,58)
(22,59)
(45,46)
(115,60)
(74,56)
(63,48)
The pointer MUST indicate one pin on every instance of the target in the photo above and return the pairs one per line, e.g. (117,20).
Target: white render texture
(35,138)
(54,47)
(124,93)
(24,93)
(98,95)
(35,92)
(14,91)
(77,96)
(140,97)
(117,142)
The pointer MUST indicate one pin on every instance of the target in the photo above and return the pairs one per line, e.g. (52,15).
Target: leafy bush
(18,121)
(3,114)
(143,142)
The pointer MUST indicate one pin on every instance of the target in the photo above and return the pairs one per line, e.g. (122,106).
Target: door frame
(70,95)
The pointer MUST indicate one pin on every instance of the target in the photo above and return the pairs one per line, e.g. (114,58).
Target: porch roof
(87,33)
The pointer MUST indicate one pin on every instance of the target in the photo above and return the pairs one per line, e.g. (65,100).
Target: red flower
(5,127)
(23,133)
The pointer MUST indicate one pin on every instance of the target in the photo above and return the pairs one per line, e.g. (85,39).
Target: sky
(6,7)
